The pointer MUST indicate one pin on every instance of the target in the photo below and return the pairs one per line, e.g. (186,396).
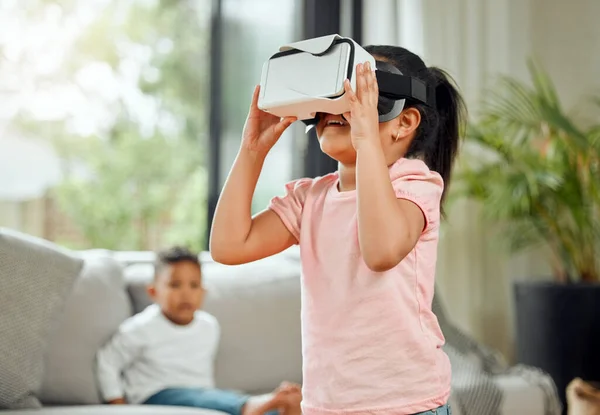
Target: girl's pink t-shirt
(370,341)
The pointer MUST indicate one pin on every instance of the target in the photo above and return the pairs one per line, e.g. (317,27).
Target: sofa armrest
(520,397)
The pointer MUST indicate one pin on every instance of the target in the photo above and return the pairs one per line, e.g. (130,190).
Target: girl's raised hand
(262,130)
(363,117)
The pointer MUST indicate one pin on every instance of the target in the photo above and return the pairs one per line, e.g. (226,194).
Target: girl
(368,236)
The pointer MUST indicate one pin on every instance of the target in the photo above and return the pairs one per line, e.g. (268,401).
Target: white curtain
(474,40)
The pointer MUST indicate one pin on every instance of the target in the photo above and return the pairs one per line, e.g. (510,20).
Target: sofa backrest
(92,313)
(258,308)
(36,277)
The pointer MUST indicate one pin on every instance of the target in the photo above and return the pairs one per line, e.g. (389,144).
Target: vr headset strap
(396,86)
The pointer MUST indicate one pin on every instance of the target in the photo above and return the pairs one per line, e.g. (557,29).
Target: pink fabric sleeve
(412,180)
(289,207)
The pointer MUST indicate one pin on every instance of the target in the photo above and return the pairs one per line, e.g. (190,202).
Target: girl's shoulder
(414,169)
(412,180)
(308,185)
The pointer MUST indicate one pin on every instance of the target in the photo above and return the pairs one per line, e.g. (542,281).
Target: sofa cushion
(116,410)
(35,279)
(96,307)
(258,308)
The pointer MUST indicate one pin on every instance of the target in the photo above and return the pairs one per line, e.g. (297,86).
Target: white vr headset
(307,78)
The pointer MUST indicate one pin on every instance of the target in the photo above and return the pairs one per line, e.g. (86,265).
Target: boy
(165,354)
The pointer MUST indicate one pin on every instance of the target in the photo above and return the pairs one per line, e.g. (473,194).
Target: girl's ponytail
(437,138)
(445,136)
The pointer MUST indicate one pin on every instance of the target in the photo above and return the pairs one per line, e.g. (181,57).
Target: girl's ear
(408,122)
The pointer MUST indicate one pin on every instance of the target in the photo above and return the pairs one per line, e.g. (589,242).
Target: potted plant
(536,172)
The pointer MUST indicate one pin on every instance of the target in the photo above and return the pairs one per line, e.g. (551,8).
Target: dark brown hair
(437,139)
(174,255)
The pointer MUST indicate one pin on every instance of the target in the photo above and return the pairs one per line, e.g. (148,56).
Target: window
(102,122)
(252,32)
(104,114)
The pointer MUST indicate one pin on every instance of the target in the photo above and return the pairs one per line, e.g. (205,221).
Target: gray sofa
(256,304)
(57,307)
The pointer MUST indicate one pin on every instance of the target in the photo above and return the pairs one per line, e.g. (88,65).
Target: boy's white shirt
(149,353)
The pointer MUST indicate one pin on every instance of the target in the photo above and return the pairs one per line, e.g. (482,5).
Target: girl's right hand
(262,130)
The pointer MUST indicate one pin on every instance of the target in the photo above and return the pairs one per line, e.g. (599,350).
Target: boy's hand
(262,130)
(363,117)
(288,387)
(118,401)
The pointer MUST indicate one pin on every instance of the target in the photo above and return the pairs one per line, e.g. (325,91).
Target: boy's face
(178,290)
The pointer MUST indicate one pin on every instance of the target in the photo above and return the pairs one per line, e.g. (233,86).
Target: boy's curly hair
(174,255)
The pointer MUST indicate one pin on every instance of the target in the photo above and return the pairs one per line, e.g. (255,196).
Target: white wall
(476,40)
(566,38)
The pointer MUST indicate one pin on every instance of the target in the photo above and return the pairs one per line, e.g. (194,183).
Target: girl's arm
(236,236)
(388,227)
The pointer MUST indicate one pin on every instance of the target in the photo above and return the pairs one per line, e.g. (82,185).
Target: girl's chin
(335,141)
(337,147)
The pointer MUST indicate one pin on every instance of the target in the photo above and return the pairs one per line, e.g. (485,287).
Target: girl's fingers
(282,125)
(348,117)
(288,121)
(351,94)
(373,87)
(254,104)
(367,72)
(361,82)
(367,90)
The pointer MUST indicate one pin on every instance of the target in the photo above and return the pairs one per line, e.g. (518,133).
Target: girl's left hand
(363,117)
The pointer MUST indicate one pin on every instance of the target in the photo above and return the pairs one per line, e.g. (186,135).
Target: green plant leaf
(536,172)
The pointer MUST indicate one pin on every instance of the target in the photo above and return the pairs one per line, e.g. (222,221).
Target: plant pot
(558,330)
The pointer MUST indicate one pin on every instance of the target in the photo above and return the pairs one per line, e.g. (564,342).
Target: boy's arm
(217,339)
(110,362)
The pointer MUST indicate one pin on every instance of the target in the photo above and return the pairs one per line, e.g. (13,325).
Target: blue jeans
(215,399)
(442,410)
